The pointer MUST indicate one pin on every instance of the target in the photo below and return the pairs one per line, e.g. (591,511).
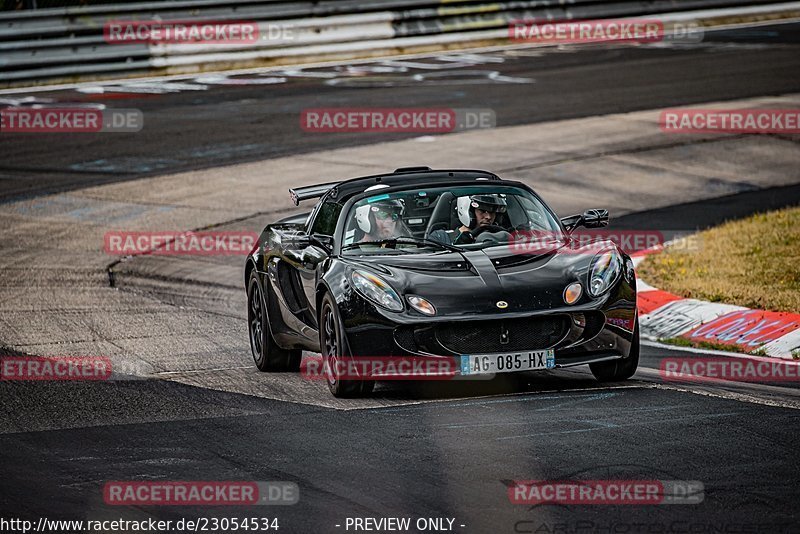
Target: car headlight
(606,268)
(630,273)
(376,290)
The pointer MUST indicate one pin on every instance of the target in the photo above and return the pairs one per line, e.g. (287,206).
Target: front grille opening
(529,333)
(595,320)
(404,337)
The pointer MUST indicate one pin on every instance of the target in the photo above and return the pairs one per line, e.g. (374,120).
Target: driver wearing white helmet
(381,220)
(478,214)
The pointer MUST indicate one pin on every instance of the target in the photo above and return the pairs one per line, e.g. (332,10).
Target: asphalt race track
(196,123)
(443,459)
(432,450)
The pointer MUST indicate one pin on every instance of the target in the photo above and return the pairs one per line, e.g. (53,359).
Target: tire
(617,370)
(331,344)
(269,357)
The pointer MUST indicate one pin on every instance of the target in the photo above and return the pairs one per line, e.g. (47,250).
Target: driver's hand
(464,238)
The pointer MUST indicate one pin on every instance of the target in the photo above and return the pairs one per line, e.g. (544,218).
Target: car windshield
(432,219)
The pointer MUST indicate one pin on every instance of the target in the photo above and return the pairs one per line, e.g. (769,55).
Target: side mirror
(325,242)
(303,241)
(595,218)
(297,242)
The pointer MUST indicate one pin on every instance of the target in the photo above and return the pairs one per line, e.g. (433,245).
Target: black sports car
(440,265)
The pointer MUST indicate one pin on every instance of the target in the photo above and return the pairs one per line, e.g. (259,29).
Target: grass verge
(753,262)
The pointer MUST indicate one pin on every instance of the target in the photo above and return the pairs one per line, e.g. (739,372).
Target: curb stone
(663,315)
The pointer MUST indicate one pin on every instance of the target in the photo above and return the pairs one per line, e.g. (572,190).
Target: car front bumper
(601,331)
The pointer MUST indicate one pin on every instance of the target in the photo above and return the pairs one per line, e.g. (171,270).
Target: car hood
(479,282)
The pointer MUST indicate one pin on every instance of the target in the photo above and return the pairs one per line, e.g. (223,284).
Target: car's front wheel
(331,346)
(266,353)
(623,369)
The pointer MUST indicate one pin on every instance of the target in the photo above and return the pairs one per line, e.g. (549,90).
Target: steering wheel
(471,236)
(495,237)
(492,228)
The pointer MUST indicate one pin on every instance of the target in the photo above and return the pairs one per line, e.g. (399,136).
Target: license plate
(507,362)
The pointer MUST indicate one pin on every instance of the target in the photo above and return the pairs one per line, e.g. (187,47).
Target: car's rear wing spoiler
(300,194)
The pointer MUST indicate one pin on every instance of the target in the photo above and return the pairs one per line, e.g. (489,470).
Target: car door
(312,257)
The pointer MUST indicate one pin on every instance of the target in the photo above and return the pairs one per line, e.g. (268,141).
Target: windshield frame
(348,207)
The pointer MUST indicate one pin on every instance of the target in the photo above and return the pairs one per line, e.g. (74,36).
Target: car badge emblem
(502,304)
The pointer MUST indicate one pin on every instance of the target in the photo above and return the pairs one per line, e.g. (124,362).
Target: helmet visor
(492,207)
(384,213)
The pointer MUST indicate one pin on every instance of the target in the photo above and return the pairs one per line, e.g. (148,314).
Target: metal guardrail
(46,44)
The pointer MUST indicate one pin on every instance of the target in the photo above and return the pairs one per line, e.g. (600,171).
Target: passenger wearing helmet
(381,220)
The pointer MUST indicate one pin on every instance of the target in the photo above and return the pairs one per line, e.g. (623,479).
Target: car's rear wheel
(331,346)
(622,369)
(266,353)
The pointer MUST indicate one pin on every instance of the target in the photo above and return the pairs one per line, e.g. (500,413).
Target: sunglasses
(383,215)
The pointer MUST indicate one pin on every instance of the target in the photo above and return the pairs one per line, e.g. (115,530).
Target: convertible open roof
(400,176)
